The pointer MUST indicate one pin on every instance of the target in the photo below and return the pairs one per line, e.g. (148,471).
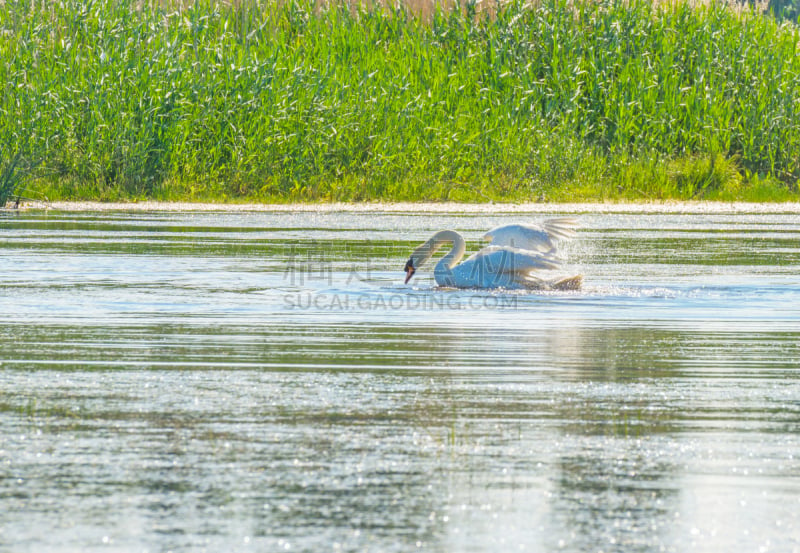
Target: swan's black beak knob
(409,269)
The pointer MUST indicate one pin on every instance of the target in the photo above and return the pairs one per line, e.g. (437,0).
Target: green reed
(559,100)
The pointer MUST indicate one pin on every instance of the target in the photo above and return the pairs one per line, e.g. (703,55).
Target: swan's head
(426,250)
(409,268)
(419,256)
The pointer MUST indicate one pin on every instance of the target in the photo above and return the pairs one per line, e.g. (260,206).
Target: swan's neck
(456,252)
(426,250)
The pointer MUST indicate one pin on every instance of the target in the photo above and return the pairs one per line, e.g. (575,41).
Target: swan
(512,259)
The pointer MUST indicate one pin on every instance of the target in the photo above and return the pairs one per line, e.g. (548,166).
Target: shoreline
(696,207)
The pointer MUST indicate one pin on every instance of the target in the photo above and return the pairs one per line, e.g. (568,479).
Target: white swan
(516,254)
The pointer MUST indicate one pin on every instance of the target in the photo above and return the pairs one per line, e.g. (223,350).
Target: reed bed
(296,101)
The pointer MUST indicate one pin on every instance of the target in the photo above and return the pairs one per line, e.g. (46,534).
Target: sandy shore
(407,207)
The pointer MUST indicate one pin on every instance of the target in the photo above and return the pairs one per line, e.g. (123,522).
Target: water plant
(258,100)
(8,177)
(15,165)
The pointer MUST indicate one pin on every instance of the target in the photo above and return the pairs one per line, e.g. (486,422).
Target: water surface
(265,382)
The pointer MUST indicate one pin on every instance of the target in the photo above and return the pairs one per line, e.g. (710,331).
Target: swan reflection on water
(519,256)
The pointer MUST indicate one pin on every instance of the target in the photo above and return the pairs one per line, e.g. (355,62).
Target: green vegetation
(785,9)
(9,178)
(556,101)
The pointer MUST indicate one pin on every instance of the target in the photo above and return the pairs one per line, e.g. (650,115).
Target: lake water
(266,382)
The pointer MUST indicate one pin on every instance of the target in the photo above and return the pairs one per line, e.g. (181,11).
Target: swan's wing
(526,237)
(561,227)
(506,259)
(536,238)
(498,267)
(569,283)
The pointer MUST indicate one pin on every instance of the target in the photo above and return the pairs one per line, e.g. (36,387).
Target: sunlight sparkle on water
(264,381)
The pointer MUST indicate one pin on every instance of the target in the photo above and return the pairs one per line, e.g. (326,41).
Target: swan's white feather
(495,267)
(530,236)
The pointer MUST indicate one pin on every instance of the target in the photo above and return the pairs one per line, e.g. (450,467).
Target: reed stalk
(295,100)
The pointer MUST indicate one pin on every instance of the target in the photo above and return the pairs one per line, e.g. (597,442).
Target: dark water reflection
(264,382)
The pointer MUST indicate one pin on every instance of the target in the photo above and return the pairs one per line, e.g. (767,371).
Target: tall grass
(271,101)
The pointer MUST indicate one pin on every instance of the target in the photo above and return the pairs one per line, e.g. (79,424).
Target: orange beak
(410,270)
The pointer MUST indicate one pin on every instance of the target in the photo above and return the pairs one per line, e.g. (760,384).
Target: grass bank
(557,101)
